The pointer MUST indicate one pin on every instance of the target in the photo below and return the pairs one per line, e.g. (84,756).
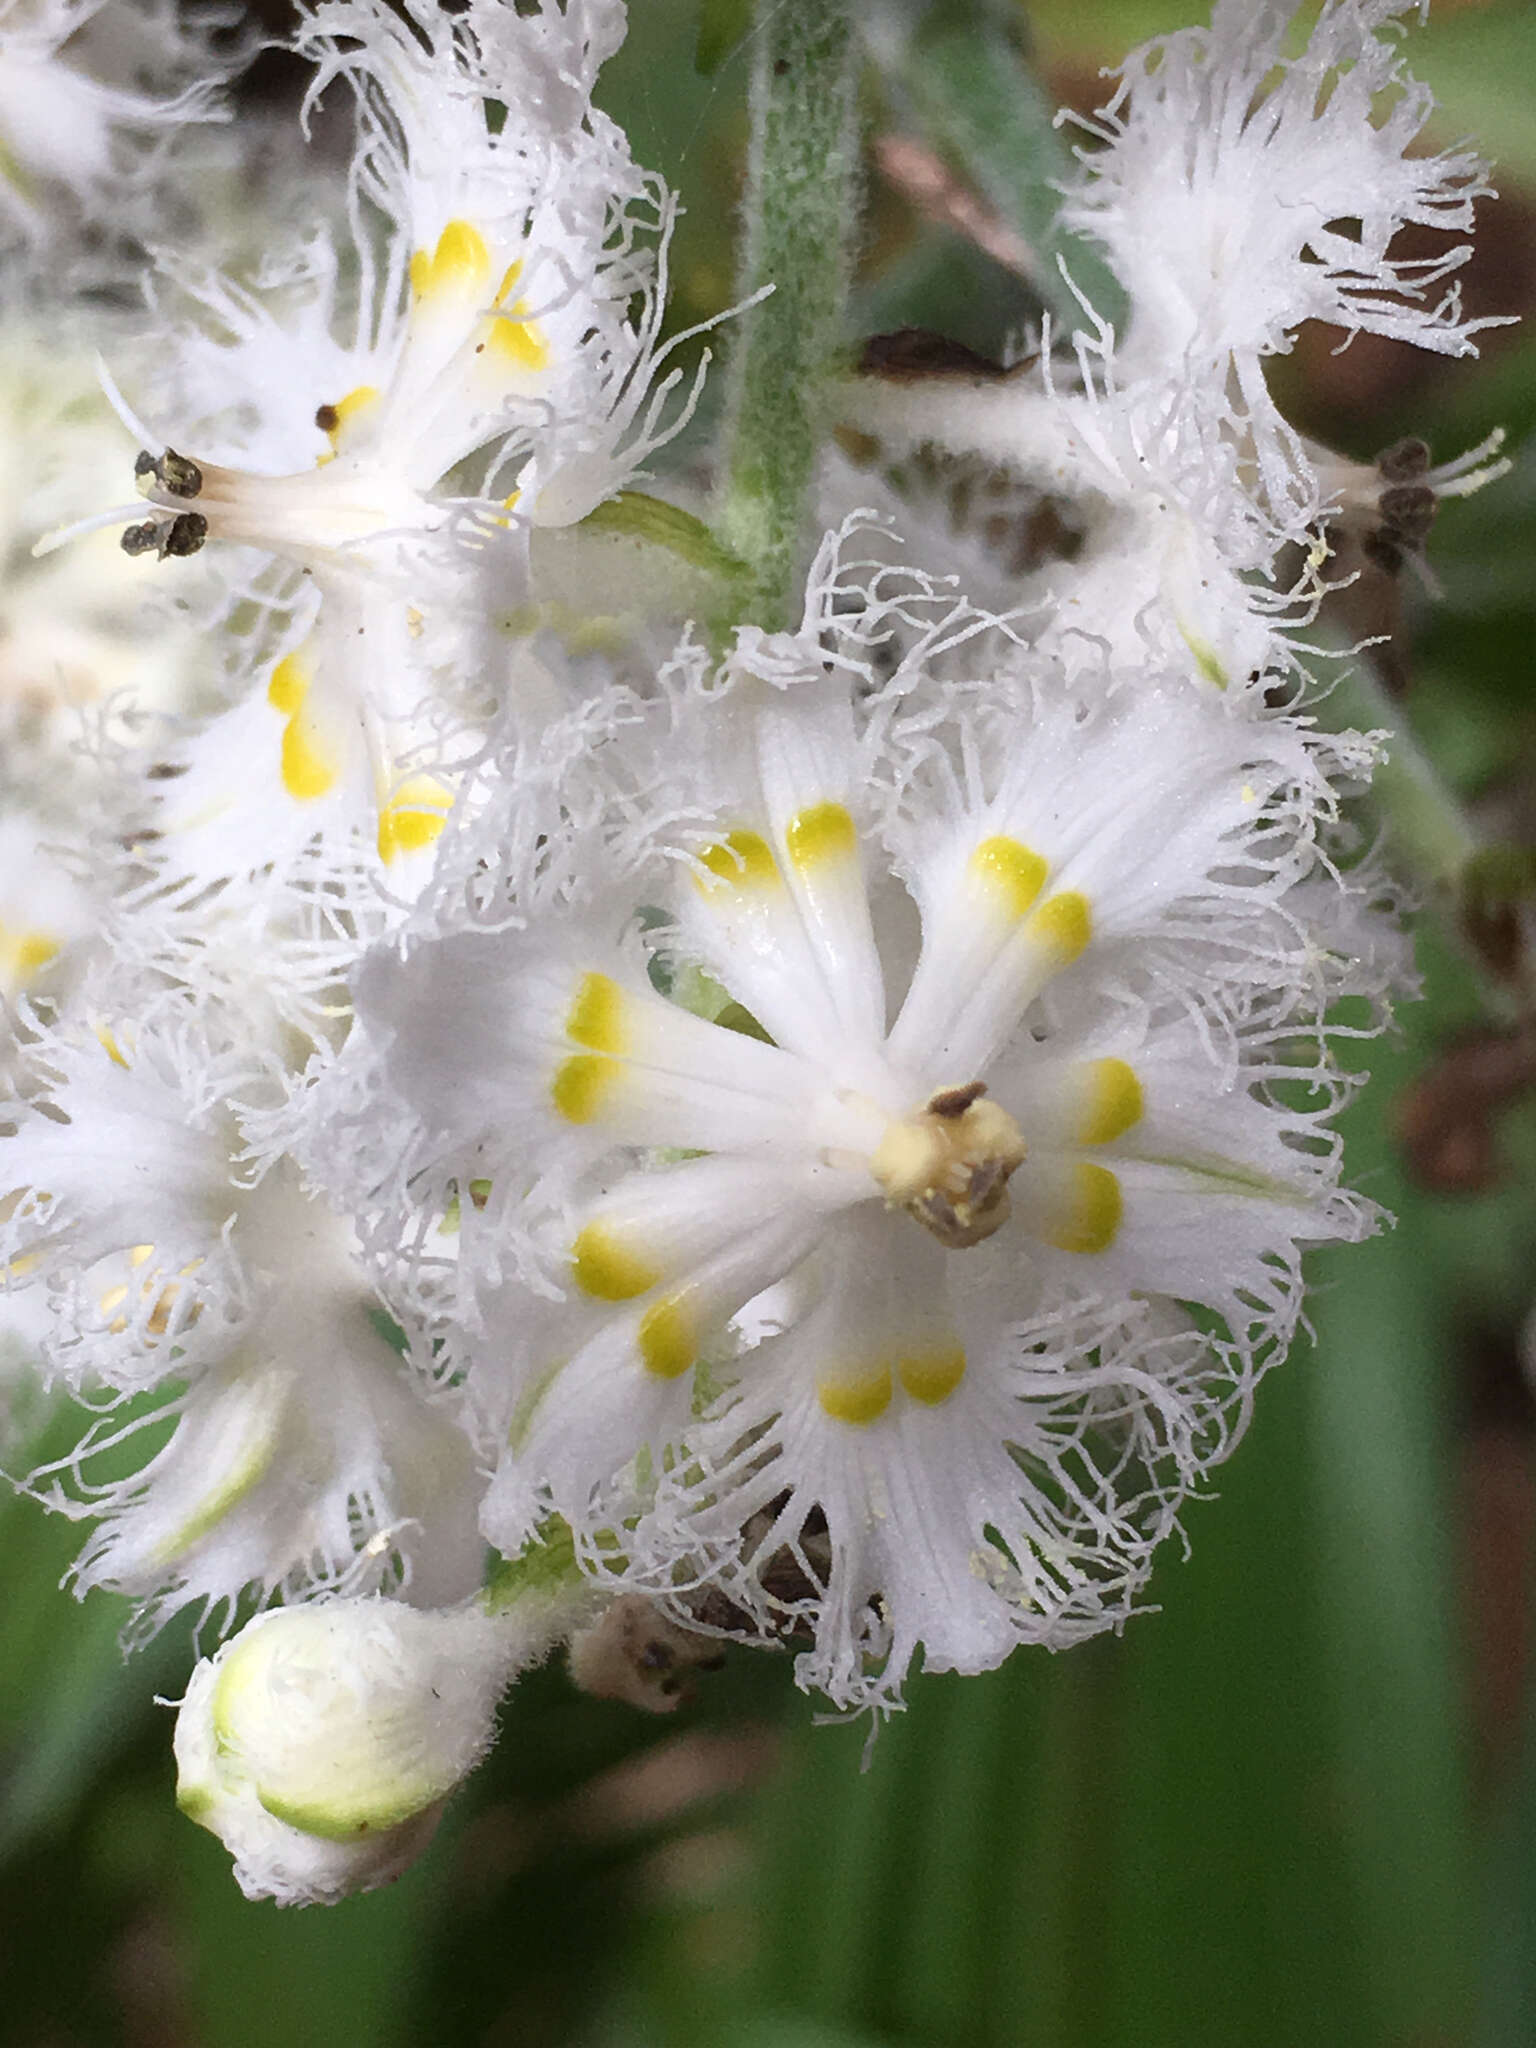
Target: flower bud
(322,1741)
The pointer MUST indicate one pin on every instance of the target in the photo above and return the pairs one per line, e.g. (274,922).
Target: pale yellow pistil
(948,1164)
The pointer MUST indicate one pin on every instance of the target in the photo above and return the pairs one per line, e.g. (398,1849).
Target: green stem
(797,215)
(1434,842)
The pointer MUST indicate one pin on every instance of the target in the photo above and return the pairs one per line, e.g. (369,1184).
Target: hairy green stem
(797,217)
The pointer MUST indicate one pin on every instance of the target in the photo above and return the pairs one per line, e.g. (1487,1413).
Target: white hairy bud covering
(321,1742)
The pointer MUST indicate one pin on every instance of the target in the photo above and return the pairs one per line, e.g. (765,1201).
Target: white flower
(322,1742)
(1242,191)
(1170,561)
(881,1271)
(1239,192)
(302,1452)
(394,408)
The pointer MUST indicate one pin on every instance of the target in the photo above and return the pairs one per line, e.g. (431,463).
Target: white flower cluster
(812,1129)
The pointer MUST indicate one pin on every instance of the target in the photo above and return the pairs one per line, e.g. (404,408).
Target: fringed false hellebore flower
(404,396)
(884,1261)
(804,1133)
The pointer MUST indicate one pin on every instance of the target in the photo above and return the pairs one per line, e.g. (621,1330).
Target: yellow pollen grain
(582,1085)
(139,1254)
(160,1315)
(107,1040)
(414,816)
(1063,925)
(820,835)
(668,1341)
(1012,873)
(308,768)
(289,686)
(1091,1218)
(743,859)
(34,950)
(1113,1102)
(932,1376)
(514,335)
(857,1397)
(603,1266)
(596,1016)
(25,953)
(460,263)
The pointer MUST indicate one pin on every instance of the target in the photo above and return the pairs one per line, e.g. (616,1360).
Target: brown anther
(188,531)
(948,1164)
(911,355)
(327,419)
(1404,508)
(143,539)
(1408,510)
(956,1101)
(637,1653)
(1403,461)
(179,475)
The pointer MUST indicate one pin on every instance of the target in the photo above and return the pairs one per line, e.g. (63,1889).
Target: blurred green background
(1295,1806)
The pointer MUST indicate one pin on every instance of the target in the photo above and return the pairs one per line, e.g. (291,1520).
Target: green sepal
(637,516)
(547,1566)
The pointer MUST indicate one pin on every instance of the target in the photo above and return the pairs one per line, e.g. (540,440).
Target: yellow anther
(25,953)
(932,1376)
(460,263)
(603,1266)
(582,1085)
(859,1396)
(107,1040)
(308,769)
(289,686)
(1011,873)
(1063,925)
(596,1016)
(160,1314)
(743,859)
(414,817)
(668,1339)
(515,335)
(1113,1102)
(1090,1220)
(820,835)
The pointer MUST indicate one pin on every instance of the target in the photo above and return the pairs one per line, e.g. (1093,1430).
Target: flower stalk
(797,217)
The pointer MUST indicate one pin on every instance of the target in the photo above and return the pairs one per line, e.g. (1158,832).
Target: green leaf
(964,78)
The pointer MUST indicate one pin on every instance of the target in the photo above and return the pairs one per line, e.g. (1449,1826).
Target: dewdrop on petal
(322,1741)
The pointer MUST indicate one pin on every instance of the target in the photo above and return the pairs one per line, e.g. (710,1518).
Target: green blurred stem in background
(796,231)
(1432,841)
